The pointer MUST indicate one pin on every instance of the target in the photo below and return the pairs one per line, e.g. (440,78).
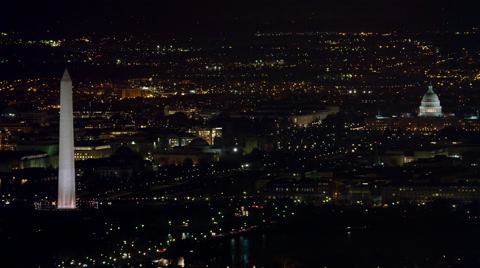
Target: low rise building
(421,194)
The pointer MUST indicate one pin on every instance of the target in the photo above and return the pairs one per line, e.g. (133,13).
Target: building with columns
(429,118)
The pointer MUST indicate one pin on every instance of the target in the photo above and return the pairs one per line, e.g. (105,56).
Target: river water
(356,247)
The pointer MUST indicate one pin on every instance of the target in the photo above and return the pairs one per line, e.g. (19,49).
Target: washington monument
(66,165)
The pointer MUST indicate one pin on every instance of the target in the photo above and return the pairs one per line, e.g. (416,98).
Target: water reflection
(245,250)
(233,249)
(336,248)
(240,251)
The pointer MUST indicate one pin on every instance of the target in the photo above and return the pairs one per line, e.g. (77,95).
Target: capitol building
(430,106)
(429,118)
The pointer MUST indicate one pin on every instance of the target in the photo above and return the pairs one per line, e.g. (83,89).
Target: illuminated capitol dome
(430,106)
(430,118)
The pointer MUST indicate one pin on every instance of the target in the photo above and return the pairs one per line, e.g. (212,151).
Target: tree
(188,162)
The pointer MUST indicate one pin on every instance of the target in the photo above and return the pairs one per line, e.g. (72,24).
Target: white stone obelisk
(66,165)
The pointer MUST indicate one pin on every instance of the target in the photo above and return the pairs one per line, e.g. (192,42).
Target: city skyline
(217,134)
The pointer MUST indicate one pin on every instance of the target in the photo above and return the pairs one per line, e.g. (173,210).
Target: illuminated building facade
(430,118)
(131,93)
(15,160)
(92,152)
(207,133)
(422,194)
(197,150)
(430,106)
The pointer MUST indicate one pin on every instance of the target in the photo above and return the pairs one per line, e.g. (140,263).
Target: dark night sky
(188,16)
